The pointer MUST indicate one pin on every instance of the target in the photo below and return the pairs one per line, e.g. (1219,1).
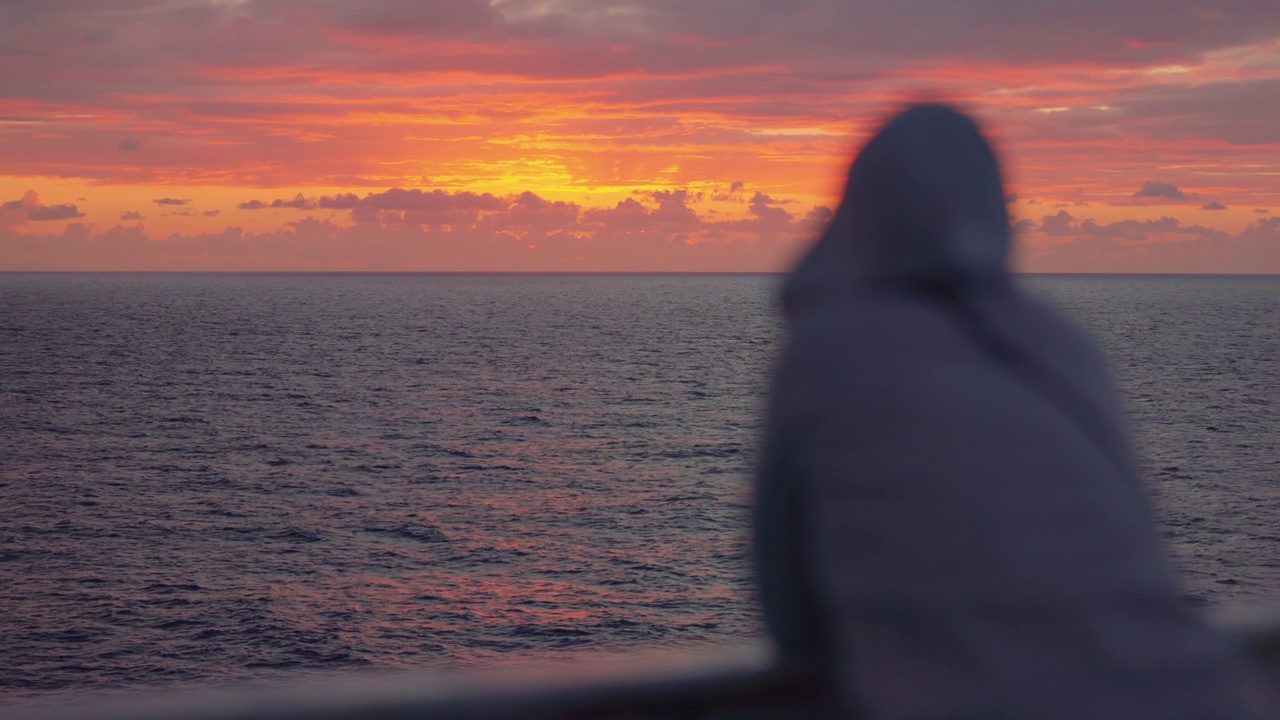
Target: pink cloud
(1062,243)
(437,230)
(662,231)
(30,208)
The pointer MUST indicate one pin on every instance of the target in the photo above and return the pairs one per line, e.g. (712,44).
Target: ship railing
(740,682)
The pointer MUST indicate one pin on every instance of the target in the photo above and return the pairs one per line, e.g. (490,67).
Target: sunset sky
(662,135)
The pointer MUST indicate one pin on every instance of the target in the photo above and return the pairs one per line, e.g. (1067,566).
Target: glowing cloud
(609,134)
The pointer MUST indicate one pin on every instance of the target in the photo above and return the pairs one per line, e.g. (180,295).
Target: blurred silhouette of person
(949,522)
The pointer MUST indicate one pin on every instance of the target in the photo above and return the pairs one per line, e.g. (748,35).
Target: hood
(923,206)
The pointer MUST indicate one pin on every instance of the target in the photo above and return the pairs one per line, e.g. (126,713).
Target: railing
(732,683)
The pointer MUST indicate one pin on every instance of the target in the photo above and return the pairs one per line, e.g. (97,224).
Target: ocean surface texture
(220,478)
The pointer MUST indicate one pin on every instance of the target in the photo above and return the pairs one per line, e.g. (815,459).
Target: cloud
(628,215)
(765,209)
(53,212)
(1063,224)
(410,17)
(397,205)
(527,212)
(13,213)
(440,230)
(433,201)
(818,217)
(171,201)
(211,213)
(130,215)
(1215,205)
(1157,189)
(673,213)
(298,202)
(413,207)
(665,230)
(1059,225)
(317,245)
(29,207)
(341,201)
(1237,110)
(667,213)
(281,93)
(1060,243)
(735,189)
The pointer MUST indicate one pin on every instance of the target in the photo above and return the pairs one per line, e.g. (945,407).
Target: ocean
(254,477)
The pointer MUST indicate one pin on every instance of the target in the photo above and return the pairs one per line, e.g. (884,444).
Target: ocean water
(220,478)
(1197,362)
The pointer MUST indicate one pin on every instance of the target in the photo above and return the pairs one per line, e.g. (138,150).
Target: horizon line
(575,272)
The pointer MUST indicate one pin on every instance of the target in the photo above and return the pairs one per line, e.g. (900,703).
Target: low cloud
(298,203)
(395,205)
(1063,243)
(171,201)
(128,145)
(766,210)
(53,212)
(401,229)
(1059,225)
(735,189)
(211,213)
(1213,206)
(438,230)
(411,207)
(435,203)
(1157,189)
(29,207)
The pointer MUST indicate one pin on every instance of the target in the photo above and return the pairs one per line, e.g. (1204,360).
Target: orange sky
(606,135)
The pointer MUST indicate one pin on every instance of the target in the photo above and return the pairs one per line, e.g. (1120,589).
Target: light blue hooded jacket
(948,521)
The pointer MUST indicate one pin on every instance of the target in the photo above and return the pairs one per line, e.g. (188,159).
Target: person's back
(948,520)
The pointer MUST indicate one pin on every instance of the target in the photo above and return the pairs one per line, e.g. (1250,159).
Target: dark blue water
(1197,361)
(210,478)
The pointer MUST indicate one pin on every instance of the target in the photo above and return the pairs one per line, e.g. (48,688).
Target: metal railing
(740,683)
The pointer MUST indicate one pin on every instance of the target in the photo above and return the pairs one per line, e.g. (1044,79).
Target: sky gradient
(597,135)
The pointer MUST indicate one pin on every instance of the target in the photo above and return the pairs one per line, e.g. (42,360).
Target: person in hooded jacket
(948,518)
